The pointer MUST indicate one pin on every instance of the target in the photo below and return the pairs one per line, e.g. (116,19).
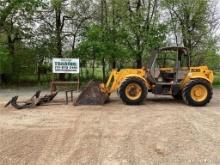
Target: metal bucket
(92,95)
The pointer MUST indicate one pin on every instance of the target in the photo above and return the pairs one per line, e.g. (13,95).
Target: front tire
(197,92)
(133,91)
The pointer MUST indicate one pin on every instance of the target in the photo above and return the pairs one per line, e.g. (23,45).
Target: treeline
(102,33)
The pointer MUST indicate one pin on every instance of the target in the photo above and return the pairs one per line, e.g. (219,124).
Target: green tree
(15,22)
(142,24)
(193,25)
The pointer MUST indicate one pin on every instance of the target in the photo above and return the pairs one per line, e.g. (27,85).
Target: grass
(30,80)
(27,80)
(216,82)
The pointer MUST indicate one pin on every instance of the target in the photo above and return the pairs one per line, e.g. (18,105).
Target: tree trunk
(113,64)
(59,39)
(104,23)
(93,68)
(113,33)
(73,44)
(38,74)
(11,47)
(138,37)
(93,62)
(14,63)
(58,33)
(139,61)
(139,53)
(103,69)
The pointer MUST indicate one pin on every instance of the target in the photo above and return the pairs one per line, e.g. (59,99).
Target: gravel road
(163,131)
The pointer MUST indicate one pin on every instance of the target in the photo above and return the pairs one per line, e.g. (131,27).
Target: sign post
(65,65)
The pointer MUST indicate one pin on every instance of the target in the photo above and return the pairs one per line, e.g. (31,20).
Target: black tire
(178,96)
(126,99)
(187,92)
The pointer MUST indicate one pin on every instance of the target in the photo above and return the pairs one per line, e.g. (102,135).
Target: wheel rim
(199,93)
(133,91)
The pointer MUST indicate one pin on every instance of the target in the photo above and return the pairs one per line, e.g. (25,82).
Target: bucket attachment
(92,95)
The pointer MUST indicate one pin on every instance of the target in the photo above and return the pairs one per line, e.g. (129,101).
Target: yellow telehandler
(168,72)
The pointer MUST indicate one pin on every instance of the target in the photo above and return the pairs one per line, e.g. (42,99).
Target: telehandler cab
(168,72)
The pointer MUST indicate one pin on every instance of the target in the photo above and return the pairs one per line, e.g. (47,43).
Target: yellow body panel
(198,72)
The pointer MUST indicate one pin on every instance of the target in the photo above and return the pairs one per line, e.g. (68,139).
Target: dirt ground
(163,131)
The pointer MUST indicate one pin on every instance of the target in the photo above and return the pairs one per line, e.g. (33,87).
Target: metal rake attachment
(35,100)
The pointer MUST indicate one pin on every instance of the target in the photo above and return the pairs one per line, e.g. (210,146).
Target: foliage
(93,47)
(193,23)
(104,34)
(5,61)
(217,79)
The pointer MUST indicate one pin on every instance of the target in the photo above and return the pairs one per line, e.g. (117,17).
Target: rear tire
(130,97)
(197,98)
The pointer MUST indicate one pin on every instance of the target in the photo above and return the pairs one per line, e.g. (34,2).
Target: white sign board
(65,65)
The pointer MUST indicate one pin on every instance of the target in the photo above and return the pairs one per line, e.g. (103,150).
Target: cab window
(166,59)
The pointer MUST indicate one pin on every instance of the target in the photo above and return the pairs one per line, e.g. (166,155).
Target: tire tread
(186,92)
(123,85)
